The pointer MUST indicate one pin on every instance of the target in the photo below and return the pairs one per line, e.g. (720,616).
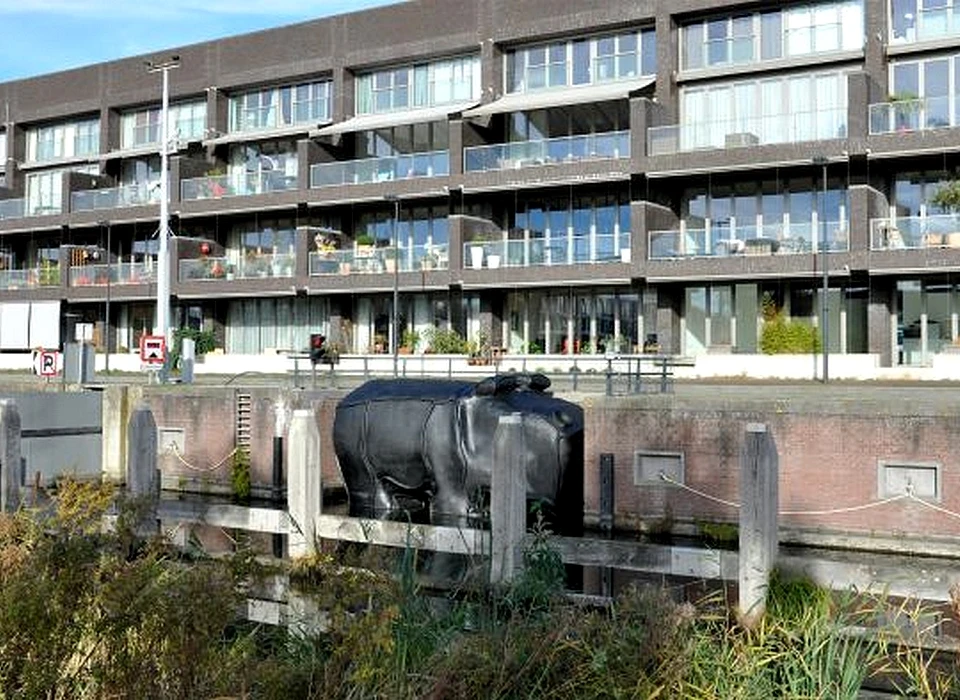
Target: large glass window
(920,20)
(262,167)
(187,122)
(45,189)
(254,325)
(789,108)
(765,36)
(67,140)
(289,105)
(423,85)
(582,61)
(924,95)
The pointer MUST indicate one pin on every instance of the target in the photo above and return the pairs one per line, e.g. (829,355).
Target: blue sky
(45,36)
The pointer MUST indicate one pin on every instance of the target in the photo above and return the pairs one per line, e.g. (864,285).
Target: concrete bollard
(759,503)
(11,475)
(143,478)
(508,499)
(304,487)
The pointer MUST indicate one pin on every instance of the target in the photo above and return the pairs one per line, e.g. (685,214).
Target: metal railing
(754,131)
(11,208)
(385,169)
(531,252)
(566,149)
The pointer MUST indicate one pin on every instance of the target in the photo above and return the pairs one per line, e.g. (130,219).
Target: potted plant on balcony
(409,341)
(365,243)
(390,259)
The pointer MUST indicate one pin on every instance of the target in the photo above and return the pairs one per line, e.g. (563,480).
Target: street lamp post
(395,340)
(162,326)
(825,289)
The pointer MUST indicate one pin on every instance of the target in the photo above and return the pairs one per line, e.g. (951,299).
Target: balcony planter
(493,261)
(624,255)
(476,256)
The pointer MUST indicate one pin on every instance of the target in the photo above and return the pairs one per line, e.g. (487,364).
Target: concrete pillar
(11,471)
(114,407)
(304,488)
(142,477)
(508,499)
(759,503)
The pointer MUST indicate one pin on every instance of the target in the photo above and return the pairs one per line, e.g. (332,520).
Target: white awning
(367,122)
(541,99)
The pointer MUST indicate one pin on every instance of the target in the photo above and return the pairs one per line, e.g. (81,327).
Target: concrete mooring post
(143,478)
(508,499)
(11,471)
(759,503)
(304,487)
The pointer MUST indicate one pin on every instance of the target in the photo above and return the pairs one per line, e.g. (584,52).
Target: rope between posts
(215,467)
(830,511)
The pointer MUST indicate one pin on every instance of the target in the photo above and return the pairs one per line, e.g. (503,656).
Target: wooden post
(508,499)
(759,503)
(11,476)
(304,487)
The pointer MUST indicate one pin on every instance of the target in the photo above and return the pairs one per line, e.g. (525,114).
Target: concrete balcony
(724,241)
(568,149)
(387,169)
(115,197)
(915,232)
(534,252)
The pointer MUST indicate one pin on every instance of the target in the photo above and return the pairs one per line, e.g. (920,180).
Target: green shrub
(446,342)
(204,342)
(785,336)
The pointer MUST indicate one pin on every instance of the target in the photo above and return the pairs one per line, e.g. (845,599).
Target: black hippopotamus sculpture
(431,442)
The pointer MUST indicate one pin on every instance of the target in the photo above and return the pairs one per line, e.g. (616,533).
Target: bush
(781,335)
(446,342)
(204,342)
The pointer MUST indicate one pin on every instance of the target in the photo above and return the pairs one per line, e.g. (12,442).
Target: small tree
(781,335)
(948,196)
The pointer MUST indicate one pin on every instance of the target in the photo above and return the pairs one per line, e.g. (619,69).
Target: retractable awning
(541,99)
(367,122)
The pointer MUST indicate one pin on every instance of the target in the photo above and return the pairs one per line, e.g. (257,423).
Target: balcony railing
(913,232)
(769,239)
(218,186)
(738,133)
(114,197)
(380,260)
(251,266)
(567,149)
(30,278)
(910,115)
(11,209)
(369,170)
(119,273)
(532,252)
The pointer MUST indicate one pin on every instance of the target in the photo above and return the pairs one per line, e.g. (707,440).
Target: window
(925,96)
(423,85)
(784,109)
(187,122)
(45,190)
(766,36)
(920,20)
(272,108)
(582,61)
(263,167)
(67,140)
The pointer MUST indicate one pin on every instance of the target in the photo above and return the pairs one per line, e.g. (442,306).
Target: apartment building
(545,176)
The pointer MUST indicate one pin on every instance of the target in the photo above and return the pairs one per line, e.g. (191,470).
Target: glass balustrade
(899,116)
(386,169)
(361,260)
(11,209)
(739,133)
(114,197)
(219,186)
(530,252)
(913,232)
(567,149)
(118,273)
(44,276)
(249,266)
(769,239)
